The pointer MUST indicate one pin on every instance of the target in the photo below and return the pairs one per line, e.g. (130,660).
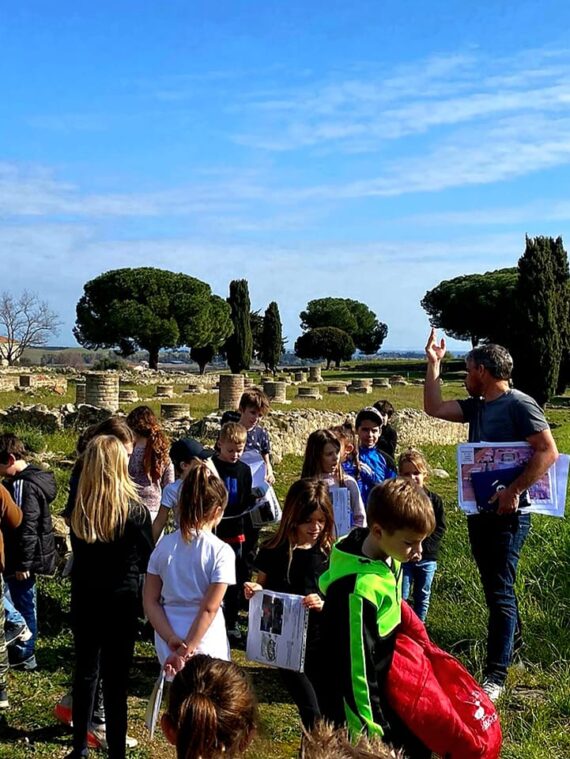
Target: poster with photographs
(499,463)
(277,630)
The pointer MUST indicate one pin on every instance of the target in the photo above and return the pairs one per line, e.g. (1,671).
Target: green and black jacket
(362,612)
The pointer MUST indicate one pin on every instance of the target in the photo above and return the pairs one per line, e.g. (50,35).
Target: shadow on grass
(56,734)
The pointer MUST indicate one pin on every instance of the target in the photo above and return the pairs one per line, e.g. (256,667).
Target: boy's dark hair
(385,407)
(368,414)
(255,398)
(10,445)
(399,504)
(496,359)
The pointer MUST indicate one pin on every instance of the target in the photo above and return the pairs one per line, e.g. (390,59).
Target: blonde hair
(105,491)
(416,458)
(324,742)
(201,494)
(212,709)
(233,432)
(400,504)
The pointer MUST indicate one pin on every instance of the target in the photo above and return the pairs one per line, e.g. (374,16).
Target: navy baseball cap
(187,449)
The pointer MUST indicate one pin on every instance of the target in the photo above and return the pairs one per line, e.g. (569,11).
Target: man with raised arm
(495,413)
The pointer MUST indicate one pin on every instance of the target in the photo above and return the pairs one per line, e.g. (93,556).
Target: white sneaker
(97,738)
(234,633)
(493,690)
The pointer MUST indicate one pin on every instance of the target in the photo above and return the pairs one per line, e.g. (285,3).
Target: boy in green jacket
(362,610)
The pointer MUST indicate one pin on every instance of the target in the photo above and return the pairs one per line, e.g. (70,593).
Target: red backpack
(437,698)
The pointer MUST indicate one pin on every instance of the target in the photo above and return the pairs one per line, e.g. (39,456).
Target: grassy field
(536,709)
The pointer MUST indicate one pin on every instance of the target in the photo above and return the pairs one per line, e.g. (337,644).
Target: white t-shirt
(170,494)
(187,570)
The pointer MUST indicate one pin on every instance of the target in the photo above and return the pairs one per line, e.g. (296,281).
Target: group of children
(123,494)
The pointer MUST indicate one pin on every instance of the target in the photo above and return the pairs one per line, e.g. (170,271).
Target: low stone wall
(9,382)
(289,430)
(415,428)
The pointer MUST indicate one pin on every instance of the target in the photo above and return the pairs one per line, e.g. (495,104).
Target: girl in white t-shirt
(322,460)
(188,574)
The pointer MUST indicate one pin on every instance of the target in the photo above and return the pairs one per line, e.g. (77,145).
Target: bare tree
(27,322)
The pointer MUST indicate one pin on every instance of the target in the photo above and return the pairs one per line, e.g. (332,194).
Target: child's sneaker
(62,710)
(493,690)
(29,664)
(234,633)
(97,738)
(4,703)
(16,633)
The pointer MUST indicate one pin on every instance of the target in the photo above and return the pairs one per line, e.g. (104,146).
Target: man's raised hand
(435,352)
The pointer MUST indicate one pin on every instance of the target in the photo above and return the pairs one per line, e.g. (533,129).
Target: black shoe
(4,704)
(29,664)
(14,633)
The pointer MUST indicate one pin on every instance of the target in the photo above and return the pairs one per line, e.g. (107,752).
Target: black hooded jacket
(32,547)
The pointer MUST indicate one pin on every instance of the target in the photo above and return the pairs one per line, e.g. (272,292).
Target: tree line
(150,309)
(525,308)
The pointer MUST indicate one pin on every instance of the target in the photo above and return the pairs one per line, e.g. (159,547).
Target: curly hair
(143,422)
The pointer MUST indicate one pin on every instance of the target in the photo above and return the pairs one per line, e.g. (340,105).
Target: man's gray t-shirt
(510,418)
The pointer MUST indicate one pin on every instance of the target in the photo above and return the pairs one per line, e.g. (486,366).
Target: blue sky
(364,150)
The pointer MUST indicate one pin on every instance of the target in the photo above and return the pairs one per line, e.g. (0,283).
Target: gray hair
(496,359)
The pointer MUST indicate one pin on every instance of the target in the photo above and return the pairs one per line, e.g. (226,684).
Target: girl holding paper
(292,562)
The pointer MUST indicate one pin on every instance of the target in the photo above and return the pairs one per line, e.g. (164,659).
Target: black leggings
(104,643)
(303,687)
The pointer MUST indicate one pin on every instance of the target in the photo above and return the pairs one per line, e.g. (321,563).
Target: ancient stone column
(363,386)
(174,410)
(231,389)
(276,391)
(308,392)
(315,374)
(102,390)
(300,376)
(128,395)
(79,393)
(381,382)
(164,391)
(337,389)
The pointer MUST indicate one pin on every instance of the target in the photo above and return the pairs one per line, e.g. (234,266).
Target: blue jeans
(21,596)
(496,543)
(420,574)
(3,650)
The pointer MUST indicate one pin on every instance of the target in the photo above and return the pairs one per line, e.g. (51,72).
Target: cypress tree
(239,347)
(562,278)
(537,348)
(271,342)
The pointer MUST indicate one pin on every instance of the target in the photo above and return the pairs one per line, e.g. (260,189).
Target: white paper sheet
(547,495)
(277,630)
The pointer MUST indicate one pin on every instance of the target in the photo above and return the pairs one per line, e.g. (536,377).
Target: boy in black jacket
(236,476)
(420,574)
(32,551)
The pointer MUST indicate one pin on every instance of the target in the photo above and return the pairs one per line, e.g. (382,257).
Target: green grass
(535,712)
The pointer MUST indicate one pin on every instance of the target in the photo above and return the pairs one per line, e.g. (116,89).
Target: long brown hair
(211,709)
(316,443)
(346,433)
(143,422)
(105,492)
(304,497)
(201,494)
